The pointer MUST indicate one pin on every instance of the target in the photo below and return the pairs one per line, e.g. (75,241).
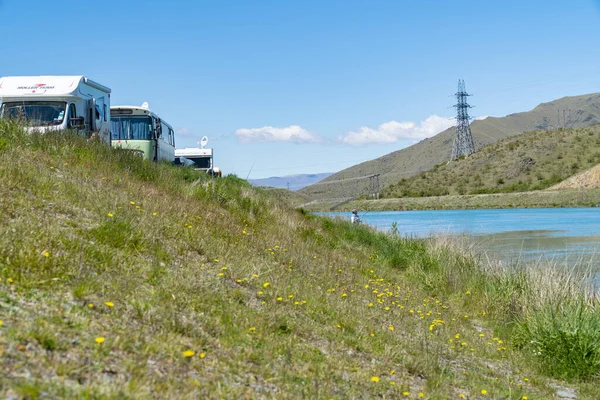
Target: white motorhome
(51,103)
(198,158)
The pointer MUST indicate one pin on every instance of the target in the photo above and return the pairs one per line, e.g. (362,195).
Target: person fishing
(354,218)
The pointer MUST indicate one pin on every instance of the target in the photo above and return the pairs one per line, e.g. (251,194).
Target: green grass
(273,302)
(534,199)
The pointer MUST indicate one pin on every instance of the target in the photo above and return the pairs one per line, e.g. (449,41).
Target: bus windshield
(36,113)
(131,128)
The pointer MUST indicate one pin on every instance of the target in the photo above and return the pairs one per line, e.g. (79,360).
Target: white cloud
(292,133)
(391,132)
(183,131)
(481,117)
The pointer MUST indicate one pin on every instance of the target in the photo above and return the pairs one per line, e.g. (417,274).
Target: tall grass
(549,311)
(114,269)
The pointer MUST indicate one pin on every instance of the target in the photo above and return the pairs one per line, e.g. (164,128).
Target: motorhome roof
(136,110)
(193,152)
(46,85)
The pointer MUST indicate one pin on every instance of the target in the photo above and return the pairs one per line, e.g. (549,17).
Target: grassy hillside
(529,161)
(125,279)
(585,111)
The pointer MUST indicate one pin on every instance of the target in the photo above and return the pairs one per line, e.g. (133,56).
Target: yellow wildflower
(375,379)
(483,391)
(100,340)
(109,304)
(188,353)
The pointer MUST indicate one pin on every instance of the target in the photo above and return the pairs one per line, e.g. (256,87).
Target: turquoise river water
(566,236)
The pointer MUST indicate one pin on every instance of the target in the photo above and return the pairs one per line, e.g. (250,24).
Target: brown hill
(584,111)
(588,179)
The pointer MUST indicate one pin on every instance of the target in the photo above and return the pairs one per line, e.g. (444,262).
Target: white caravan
(51,103)
(198,158)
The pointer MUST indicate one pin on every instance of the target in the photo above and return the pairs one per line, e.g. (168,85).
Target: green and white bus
(140,130)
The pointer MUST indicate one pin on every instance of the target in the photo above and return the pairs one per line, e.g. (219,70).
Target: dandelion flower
(252,329)
(109,304)
(0,322)
(375,379)
(132,203)
(154,214)
(202,355)
(91,305)
(46,254)
(100,340)
(188,353)
(483,391)
(266,284)
(109,214)
(9,280)
(391,328)
(405,394)
(524,397)
(421,394)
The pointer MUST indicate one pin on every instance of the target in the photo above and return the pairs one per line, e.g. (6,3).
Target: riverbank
(122,278)
(535,199)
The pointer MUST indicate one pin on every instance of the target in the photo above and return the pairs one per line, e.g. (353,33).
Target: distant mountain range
(291,182)
(567,112)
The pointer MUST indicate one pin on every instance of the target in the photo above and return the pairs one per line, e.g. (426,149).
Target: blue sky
(286,87)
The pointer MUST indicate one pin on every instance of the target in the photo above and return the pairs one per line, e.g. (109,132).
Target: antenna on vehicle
(145,105)
(203,141)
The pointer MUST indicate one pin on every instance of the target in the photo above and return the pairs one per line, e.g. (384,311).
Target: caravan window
(37,113)
(131,128)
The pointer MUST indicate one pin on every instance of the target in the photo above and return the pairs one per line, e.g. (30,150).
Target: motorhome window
(131,128)
(200,162)
(36,113)
(98,112)
(105,113)
(72,111)
(165,132)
